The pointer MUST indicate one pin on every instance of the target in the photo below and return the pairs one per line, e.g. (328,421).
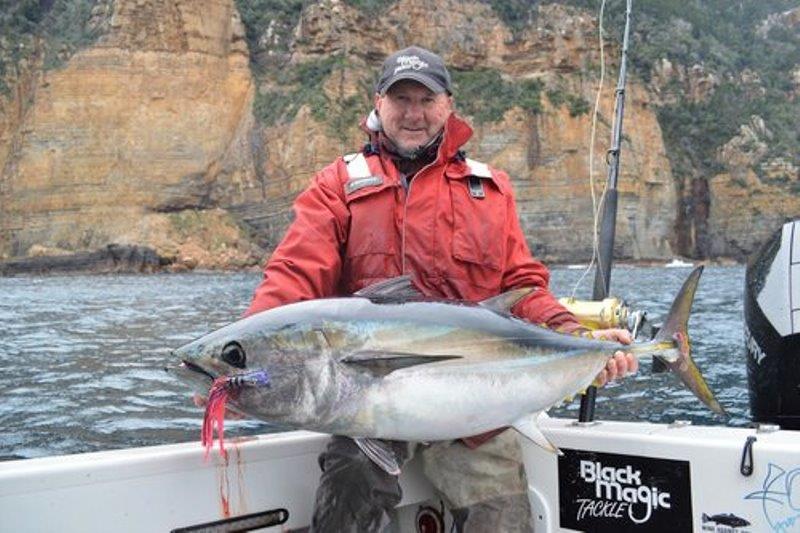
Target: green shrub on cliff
(486,96)
(268,27)
(294,86)
(55,28)
(70,25)
(371,7)
(19,22)
(516,14)
(576,103)
(684,123)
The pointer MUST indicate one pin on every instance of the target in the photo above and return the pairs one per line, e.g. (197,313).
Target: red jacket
(456,228)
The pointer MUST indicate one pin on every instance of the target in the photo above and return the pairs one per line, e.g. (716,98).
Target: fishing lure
(221,390)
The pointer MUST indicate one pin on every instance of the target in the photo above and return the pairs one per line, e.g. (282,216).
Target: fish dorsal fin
(398,289)
(380,453)
(502,303)
(383,363)
(529,427)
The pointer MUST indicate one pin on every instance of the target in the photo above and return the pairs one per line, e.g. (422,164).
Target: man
(412,203)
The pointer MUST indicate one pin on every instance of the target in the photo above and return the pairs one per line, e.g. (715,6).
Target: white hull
(162,488)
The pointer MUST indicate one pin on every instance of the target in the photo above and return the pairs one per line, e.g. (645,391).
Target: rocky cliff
(135,139)
(723,78)
(186,133)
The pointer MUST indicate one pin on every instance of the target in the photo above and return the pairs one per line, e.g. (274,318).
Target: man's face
(412,114)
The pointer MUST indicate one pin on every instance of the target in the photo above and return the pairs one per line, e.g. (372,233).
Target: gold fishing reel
(604,314)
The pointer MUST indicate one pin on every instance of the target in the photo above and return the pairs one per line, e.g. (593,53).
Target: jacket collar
(456,134)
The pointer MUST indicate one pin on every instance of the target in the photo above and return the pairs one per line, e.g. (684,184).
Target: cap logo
(409,62)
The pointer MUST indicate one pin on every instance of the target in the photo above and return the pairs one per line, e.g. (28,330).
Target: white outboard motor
(772,329)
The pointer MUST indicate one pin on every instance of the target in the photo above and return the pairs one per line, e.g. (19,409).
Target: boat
(678,263)
(612,476)
(577,266)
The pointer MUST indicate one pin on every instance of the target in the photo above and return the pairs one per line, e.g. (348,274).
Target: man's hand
(621,363)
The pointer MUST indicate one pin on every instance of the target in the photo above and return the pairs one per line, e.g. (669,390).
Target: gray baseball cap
(418,64)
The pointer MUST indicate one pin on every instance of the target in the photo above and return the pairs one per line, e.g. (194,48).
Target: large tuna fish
(388,364)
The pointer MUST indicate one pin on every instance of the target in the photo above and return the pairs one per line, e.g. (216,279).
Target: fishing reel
(608,313)
(615,313)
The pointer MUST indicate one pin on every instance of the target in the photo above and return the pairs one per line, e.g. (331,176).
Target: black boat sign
(613,492)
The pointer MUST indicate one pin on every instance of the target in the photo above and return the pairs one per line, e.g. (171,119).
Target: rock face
(787,19)
(755,203)
(695,83)
(147,140)
(113,258)
(547,156)
(150,121)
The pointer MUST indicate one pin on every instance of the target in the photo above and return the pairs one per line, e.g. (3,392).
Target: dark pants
(354,494)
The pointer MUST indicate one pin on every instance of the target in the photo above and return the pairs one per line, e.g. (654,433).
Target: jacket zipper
(405,217)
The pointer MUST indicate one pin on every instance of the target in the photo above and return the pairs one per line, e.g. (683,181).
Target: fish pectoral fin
(398,289)
(383,363)
(380,453)
(528,427)
(503,303)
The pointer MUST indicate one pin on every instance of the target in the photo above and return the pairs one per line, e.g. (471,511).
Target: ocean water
(83,357)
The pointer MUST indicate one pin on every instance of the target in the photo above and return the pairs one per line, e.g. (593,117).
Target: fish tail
(675,331)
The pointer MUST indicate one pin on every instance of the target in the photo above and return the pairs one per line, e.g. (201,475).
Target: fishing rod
(605,247)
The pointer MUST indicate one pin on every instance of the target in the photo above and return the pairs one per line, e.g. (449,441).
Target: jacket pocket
(372,227)
(479,228)
(372,247)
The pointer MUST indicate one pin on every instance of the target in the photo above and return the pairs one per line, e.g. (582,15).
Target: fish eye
(234,355)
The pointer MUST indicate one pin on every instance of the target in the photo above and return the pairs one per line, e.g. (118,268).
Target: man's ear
(377,101)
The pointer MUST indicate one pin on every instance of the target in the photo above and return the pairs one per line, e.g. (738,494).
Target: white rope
(596,206)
